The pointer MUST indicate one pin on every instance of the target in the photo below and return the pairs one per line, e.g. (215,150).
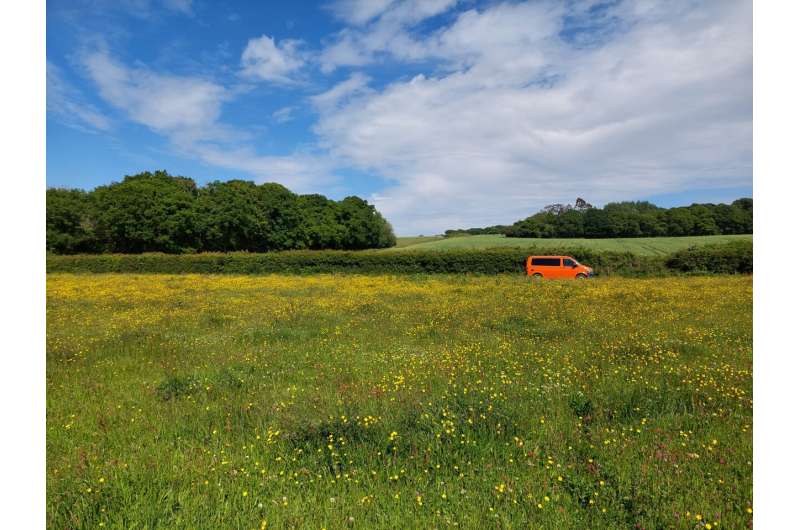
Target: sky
(443,113)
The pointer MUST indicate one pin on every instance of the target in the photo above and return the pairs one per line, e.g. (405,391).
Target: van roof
(570,257)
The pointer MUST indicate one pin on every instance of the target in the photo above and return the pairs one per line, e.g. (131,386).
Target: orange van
(557,267)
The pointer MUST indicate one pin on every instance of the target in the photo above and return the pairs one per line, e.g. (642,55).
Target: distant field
(646,246)
(415,240)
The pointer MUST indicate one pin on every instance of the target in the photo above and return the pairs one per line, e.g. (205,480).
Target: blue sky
(443,113)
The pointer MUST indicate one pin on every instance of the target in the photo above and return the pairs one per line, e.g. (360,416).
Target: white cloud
(520,109)
(302,173)
(179,106)
(388,32)
(522,118)
(359,11)
(283,114)
(267,60)
(66,102)
(342,92)
(187,110)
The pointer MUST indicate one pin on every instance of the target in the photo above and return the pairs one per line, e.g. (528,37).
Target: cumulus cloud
(267,60)
(521,116)
(515,105)
(186,110)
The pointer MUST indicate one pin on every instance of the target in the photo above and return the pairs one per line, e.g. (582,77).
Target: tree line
(627,219)
(157,212)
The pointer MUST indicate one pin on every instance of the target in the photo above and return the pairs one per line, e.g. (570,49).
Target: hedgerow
(730,258)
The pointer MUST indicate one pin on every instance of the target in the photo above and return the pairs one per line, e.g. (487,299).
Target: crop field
(645,246)
(253,402)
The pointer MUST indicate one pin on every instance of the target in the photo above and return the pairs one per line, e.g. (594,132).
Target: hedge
(729,258)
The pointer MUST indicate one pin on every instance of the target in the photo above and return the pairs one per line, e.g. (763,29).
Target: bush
(730,258)
(491,261)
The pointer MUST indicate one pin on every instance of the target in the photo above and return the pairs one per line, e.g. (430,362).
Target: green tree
(70,225)
(704,224)
(652,223)
(596,223)
(731,219)
(321,226)
(230,216)
(148,212)
(283,219)
(623,219)
(570,224)
(365,227)
(679,222)
(627,219)
(745,204)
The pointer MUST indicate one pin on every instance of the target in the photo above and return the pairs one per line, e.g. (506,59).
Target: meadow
(326,401)
(644,246)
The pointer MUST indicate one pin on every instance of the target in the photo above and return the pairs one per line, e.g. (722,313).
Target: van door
(567,268)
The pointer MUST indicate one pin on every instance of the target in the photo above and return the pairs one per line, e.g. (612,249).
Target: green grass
(646,246)
(403,242)
(327,401)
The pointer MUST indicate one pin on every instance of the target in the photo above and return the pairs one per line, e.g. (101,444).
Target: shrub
(729,258)
(491,261)
(725,259)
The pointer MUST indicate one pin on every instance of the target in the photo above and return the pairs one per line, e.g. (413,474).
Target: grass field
(398,402)
(647,246)
(403,242)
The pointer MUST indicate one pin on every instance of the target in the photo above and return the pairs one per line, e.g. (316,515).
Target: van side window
(546,262)
(568,263)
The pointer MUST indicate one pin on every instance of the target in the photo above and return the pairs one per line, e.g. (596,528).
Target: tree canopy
(158,212)
(627,219)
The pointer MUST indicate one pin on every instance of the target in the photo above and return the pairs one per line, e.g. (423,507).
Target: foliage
(149,212)
(70,227)
(383,401)
(230,216)
(156,212)
(489,261)
(731,258)
(627,219)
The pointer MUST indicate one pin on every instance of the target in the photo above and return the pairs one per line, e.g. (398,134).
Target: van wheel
(580,276)
(537,276)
